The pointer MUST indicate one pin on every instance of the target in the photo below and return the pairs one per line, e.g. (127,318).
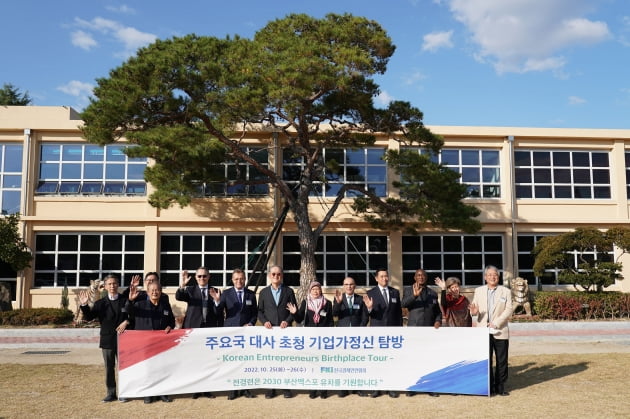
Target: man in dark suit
(349,309)
(273,309)
(384,308)
(238,305)
(424,308)
(422,303)
(112,315)
(200,311)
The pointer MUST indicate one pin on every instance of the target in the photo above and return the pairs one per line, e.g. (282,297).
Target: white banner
(423,359)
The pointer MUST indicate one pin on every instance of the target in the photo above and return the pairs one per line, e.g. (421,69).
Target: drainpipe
(24,209)
(513,214)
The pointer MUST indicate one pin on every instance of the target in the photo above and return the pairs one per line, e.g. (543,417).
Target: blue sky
(541,63)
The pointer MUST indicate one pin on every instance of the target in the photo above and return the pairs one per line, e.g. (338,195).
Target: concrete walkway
(80,345)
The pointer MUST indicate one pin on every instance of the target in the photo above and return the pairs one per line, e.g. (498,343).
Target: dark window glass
(68,242)
(542,158)
(214,243)
(191,243)
(522,158)
(581,159)
(134,243)
(452,244)
(112,262)
(169,243)
(45,242)
(523,175)
(112,243)
(90,262)
(562,158)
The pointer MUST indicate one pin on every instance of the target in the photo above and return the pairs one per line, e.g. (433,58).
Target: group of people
(237,306)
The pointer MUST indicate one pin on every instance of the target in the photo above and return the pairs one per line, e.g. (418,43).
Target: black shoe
(123,400)
(208,395)
(288,394)
(248,394)
(312,394)
(393,394)
(343,393)
(410,394)
(504,393)
(323,394)
(375,394)
(270,394)
(148,400)
(434,395)
(166,399)
(233,395)
(196,396)
(109,398)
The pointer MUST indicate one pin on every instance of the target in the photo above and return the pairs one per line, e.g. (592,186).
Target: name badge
(355,306)
(503,299)
(394,300)
(248,302)
(166,312)
(322,313)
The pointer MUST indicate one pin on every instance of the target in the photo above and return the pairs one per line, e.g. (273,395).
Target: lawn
(541,386)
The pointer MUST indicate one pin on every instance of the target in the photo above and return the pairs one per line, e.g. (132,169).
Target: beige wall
(60,124)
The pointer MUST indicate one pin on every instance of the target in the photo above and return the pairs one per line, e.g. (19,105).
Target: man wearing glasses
(349,307)
(350,310)
(273,310)
(201,310)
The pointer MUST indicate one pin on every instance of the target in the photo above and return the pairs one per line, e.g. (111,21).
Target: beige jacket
(501,312)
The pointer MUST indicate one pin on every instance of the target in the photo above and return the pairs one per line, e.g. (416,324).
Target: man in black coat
(112,315)
(238,305)
(151,313)
(273,309)
(422,303)
(349,307)
(201,310)
(384,308)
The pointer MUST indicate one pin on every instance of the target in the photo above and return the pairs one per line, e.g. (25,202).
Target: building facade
(85,213)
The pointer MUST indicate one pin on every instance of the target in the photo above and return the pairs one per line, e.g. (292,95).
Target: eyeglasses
(202,276)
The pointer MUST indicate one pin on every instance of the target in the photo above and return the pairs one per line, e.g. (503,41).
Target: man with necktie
(349,309)
(201,310)
(384,308)
(238,306)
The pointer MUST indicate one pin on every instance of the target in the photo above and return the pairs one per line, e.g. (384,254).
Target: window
(526,243)
(462,256)
(627,155)
(479,169)
(338,256)
(75,259)
(241,172)
(545,174)
(364,167)
(10,178)
(220,253)
(8,278)
(84,169)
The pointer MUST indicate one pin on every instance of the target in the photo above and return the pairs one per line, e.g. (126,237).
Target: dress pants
(109,357)
(499,375)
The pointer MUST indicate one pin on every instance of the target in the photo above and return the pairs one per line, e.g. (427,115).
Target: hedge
(575,305)
(36,317)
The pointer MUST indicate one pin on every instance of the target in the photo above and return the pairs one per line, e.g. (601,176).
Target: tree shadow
(529,374)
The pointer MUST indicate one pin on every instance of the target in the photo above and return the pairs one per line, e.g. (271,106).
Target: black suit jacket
(237,315)
(383,314)
(346,317)
(109,314)
(306,315)
(424,310)
(194,311)
(268,311)
(151,317)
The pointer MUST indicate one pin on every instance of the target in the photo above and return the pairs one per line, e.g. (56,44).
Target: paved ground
(80,346)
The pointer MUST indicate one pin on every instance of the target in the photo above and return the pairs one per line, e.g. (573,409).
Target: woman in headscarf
(455,311)
(315,311)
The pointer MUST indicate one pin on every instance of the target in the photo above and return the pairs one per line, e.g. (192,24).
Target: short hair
(452,280)
(238,271)
(490,268)
(379,270)
(111,276)
(276,266)
(148,274)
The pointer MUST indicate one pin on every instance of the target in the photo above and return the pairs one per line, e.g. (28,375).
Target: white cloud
(414,78)
(131,38)
(76,88)
(527,35)
(83,40)
(576,100)
(122,9)
(383,98)
(436,40)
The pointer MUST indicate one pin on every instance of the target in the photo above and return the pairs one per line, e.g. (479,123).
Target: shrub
(36,317)
(575,305)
